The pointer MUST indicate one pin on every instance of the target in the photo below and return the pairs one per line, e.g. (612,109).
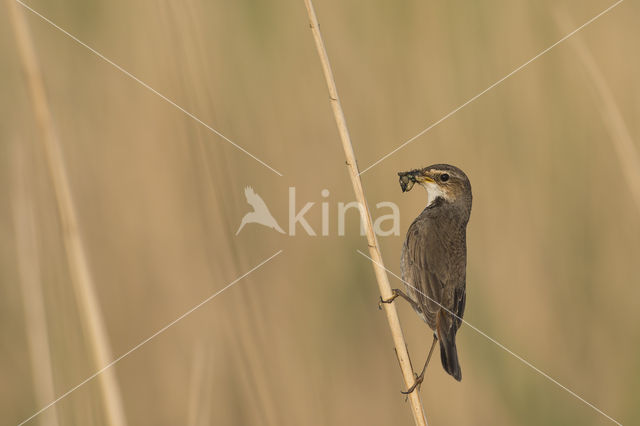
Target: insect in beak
(407,180)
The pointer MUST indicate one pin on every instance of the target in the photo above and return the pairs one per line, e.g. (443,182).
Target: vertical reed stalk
(31,287)
(93,323)
(374,251)
(200,387)
(623,144)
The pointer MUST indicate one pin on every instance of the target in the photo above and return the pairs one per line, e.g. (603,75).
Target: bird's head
(441,181)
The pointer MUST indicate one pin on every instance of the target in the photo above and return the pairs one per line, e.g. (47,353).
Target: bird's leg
(397,292)
(420,377)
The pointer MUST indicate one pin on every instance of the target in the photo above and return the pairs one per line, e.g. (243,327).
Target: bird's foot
(416,384)
(395,294)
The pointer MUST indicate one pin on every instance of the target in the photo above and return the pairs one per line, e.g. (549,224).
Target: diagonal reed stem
(374,251)
(28,263)
(623,144)
(83,285)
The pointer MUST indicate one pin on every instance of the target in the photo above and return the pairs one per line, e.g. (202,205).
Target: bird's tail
(448,351)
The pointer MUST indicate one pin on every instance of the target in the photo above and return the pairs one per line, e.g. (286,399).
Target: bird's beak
(408,179)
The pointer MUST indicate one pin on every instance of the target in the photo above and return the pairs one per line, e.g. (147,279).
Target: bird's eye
(444,177)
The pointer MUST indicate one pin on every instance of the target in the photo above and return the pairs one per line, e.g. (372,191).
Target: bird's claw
(418,381)
(389,300)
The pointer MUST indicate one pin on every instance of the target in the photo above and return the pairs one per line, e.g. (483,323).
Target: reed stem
(623,145)
(83,285)
(28,263)
(374,250)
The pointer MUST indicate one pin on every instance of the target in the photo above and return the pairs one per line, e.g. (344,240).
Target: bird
(260,213)
(434,258)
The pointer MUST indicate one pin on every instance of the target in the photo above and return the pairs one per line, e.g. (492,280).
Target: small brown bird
(434,258)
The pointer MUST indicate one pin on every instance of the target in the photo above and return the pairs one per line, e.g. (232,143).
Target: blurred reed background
(554,235)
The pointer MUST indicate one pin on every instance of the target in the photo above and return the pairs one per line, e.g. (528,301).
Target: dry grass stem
(93,323)
(31,287)
(374,251)
(625,149)
(200,388)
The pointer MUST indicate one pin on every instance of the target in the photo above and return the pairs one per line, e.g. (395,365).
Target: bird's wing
(460,301)
(254,199)
(418,271)
(426,266)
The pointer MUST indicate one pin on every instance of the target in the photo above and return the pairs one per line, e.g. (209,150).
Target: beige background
(554,235)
